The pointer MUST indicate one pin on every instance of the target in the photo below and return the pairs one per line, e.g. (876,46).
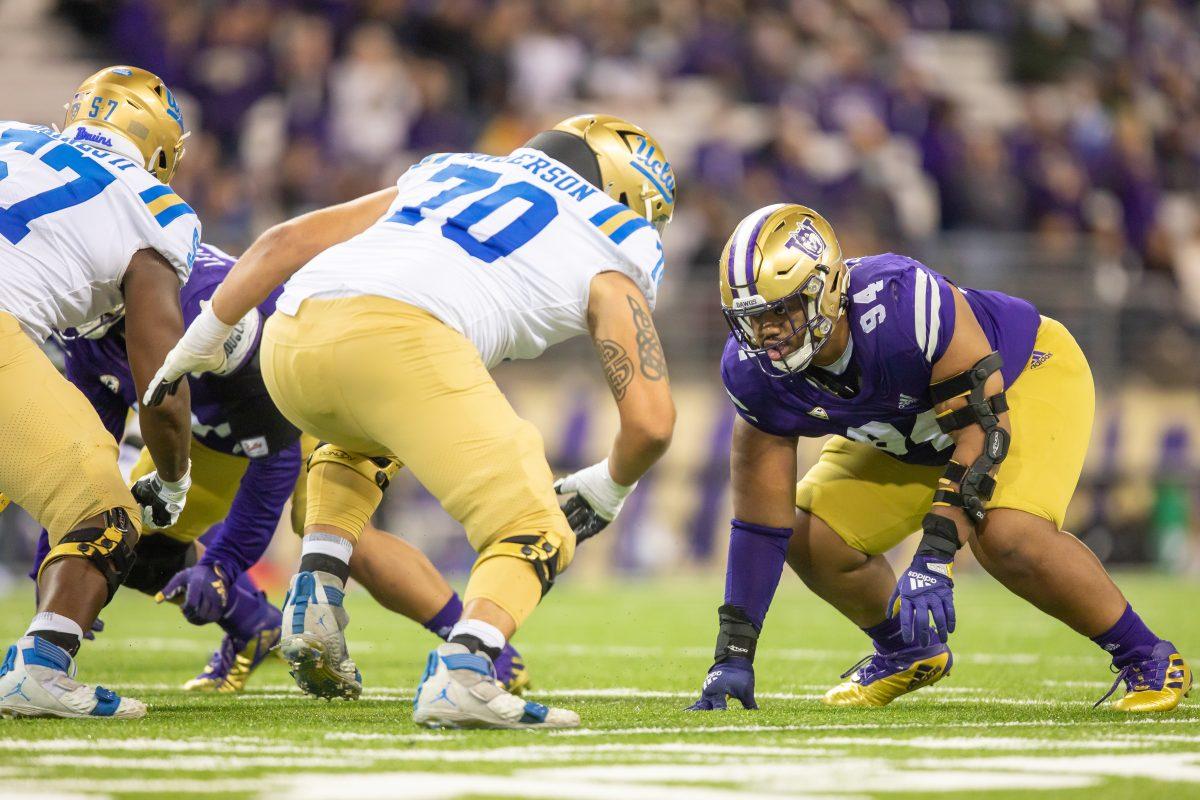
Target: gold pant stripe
(874,501)
(56,459)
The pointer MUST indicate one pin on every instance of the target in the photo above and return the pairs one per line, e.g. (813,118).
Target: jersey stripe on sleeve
(927,305)
(164,204)
(618,223)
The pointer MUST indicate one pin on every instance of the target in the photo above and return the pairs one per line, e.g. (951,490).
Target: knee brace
(107,548)
(378,469)
(344,489)
(545,555)
(158,559)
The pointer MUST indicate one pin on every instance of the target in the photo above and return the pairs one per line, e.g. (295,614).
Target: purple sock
(886,635)
(444,620)
(1129,640)
(247,609)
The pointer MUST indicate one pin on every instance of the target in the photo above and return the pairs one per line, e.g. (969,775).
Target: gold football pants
(56,459)
(873,501)
(378,377)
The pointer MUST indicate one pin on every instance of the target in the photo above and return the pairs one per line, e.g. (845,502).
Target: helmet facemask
(804,329)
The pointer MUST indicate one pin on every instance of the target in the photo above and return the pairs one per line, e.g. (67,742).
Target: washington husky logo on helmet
(783,286)
(138,106)
(806,238)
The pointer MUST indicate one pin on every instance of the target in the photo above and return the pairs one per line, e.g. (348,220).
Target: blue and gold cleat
(880,678)
(236,659)
(37,679)
(459,690)
(1157,683)
(313,642)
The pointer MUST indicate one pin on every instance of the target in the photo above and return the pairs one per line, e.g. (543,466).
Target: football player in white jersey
(88,223)
(397,306)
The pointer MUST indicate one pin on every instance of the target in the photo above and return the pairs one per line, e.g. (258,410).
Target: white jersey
(501,248)
(71,218)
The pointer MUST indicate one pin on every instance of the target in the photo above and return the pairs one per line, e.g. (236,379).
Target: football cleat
(511,670)
(37,679)
(882,677)
(1156,683)
(459,690)
(313,642)
(236,659)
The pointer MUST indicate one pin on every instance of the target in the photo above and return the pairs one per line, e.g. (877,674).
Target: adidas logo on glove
(918,581)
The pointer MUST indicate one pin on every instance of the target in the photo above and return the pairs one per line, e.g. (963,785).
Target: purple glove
(201,592)
(734,678)
(926,588)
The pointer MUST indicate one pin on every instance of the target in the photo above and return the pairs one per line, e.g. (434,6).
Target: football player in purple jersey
(246,463)
(960,413)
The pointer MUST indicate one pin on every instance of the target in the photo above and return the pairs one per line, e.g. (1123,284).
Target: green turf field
(1014,719)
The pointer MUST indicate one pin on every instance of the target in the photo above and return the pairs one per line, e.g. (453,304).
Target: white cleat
(37,679)
(314,640)
(459,690)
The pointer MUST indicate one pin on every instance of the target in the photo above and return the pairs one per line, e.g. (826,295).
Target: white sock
(49,621)
(489,634)
(327,545)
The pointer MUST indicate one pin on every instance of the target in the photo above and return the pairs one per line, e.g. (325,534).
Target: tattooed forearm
(650,353)
(618,368)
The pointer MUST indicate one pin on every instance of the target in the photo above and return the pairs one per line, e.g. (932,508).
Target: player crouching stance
(87,222)
(397,306)
(961,413)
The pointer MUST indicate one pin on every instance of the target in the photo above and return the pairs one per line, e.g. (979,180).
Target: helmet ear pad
(572,150)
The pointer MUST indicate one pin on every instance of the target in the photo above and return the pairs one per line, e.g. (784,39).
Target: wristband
(207,333)
(737,637)
(940,537)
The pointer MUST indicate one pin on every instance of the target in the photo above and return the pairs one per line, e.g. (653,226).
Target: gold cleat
(1158,683)
(519,682)
(230,667)
(880,678)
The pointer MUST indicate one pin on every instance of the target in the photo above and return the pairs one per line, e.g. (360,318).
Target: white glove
(162,501)
(200,349)
(598,499)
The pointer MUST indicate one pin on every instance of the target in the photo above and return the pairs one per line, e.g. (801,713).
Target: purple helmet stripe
(767,212)
(729,258)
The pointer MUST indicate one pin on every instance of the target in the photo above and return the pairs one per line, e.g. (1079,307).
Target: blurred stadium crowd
(1076,120)
(1050,148)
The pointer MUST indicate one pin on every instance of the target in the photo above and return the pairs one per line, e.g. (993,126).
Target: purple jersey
(901,316)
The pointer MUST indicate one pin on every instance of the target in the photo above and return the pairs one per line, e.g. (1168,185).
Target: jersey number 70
(541,210)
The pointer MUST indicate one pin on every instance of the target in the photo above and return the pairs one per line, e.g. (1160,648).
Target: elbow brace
(976,485)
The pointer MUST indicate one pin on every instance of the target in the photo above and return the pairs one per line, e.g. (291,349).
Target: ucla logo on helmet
(173,109)
(122,71)
(806,239)
(650,163)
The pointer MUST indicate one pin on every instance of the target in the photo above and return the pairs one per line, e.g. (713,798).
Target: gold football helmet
(633,168)
(783,286)
(137,105)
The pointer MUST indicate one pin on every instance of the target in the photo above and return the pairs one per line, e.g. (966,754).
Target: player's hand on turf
(162,501)
(200,349)
(201,592)
(925,589)
(734,678)
(597,499)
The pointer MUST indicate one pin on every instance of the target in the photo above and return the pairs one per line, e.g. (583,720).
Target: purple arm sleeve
(247,530)
(756,556)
